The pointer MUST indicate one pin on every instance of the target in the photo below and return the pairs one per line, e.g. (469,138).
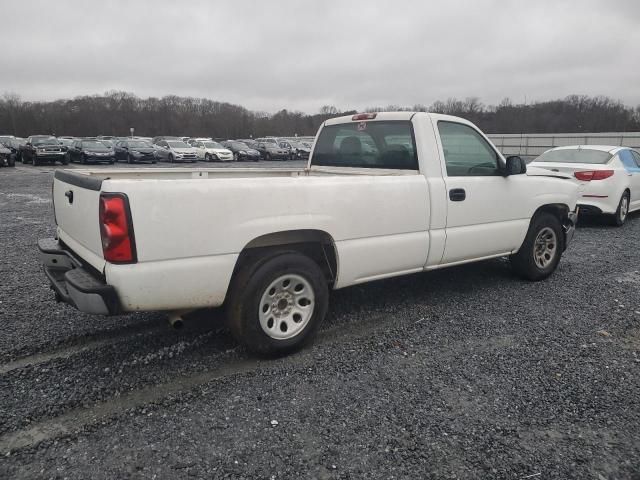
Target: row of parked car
(39,149)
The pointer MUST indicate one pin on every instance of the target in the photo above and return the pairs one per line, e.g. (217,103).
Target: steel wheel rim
(545,247)
(624,207)
(286,307)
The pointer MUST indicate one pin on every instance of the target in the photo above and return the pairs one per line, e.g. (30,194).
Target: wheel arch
(561,212)
(316,244)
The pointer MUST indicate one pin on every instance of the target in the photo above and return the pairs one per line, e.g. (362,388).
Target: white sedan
(610,177)
(212,151)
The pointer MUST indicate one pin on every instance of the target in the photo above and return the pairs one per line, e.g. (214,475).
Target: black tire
(153,161)
(235,156)
(245,293)
(524,262)
(171,159)
(130,158)
(267,157)
(34,160)
(620,217)
(65,159)
(207,157)
(11,161)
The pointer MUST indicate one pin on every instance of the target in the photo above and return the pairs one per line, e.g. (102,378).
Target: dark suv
(43,148)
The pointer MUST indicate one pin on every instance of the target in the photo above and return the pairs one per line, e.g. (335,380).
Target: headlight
(41,150)
(178,155)
(242,152)
(134,152)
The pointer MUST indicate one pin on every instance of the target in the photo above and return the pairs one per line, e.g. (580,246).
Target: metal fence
(534,144)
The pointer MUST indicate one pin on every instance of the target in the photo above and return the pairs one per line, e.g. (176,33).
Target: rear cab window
(373,144)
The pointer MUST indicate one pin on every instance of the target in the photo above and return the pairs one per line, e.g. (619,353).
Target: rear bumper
(75,284)
(594,205)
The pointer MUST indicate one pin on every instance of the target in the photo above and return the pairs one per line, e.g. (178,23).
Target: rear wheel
(622,211)
(235,156)
(207,157)
(129,158)
(276,304)
(541,250)
(11,161)
(267,157)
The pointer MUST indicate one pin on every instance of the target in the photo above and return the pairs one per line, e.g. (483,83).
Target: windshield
(67,142)
(385,144)
(138,145)
(94,144)
(575,155)
(212,145)
(173,144)
(44,141)
(239,145)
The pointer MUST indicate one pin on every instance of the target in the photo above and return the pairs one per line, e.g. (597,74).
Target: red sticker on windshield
(362,126)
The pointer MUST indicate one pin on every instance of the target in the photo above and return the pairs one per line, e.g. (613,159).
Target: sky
(303,54)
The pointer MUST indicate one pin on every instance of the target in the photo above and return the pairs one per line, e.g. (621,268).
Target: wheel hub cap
(624,208)
(286,306)
(544,248)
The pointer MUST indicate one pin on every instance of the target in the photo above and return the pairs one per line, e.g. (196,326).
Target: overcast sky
(300,55)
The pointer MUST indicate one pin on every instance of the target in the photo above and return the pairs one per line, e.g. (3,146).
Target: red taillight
(588,175)
(116,229)
(364,116)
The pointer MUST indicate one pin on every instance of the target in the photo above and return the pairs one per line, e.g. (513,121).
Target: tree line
(114,112)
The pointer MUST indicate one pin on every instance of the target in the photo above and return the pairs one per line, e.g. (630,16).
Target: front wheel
(541,250)
(34,160)
(11,161)
(277,303)
(622,211)
(235,157)
(207,158)
(65,159)
(171,158)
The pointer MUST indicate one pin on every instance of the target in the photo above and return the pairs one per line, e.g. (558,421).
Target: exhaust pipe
(176,322)
(176,318)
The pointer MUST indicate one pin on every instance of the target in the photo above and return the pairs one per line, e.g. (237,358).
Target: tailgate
(76,200)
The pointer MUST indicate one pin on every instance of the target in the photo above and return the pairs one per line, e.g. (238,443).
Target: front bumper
(49,155)
(100,158)
(75,284)
(569,227)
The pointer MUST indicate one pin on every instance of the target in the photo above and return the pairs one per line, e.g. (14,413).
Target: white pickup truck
(383,194)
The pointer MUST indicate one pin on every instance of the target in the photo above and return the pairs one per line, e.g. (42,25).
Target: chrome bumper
(570,227)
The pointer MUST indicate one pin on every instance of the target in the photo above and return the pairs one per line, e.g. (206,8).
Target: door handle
(457,194)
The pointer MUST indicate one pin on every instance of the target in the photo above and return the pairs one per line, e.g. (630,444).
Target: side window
(466,152)
(628,160)
(636,157)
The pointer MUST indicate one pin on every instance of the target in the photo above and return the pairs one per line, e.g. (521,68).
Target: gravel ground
(461,373)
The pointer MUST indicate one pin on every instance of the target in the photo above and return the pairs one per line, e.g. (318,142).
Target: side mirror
(515,166)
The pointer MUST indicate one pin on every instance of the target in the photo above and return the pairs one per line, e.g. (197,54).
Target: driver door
(486,211)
